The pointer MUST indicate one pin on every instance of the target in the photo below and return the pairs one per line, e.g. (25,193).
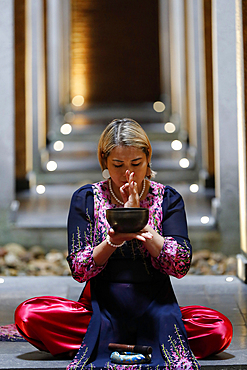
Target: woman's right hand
(129,191)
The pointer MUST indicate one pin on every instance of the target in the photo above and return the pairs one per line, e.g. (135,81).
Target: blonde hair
(126,132)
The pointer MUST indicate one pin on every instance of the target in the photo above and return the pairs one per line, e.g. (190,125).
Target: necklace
(118,200)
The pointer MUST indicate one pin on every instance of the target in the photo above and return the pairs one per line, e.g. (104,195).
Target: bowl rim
(127,209)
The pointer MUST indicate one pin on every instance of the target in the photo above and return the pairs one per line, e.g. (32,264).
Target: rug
(9,333)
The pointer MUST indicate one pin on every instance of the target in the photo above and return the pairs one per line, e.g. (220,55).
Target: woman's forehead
(126,152)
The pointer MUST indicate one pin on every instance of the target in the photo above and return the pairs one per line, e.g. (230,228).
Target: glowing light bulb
(40,189)
(51,166)
(184,163)
(66,129)
(159,107)
(58,146)
(204,220)
(194,188)
(169,127)
(176,145)
(69,116)
(78,100)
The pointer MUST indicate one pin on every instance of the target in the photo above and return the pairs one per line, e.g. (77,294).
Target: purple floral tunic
(132,297)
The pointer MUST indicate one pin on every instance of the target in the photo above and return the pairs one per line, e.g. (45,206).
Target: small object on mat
(145,350)
(129,358)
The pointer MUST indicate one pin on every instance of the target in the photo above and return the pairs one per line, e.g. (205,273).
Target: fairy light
(184,163)
(51,166)
(194,188)
(78,100)
(58,146)
(176,145)
(204,220)
(159,106)
(169,127)
(66,129)
(69,116)
(40,189)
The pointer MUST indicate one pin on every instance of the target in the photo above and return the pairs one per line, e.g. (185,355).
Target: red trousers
(58,325)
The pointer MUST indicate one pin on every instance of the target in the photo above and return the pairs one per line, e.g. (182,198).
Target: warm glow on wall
(78,53)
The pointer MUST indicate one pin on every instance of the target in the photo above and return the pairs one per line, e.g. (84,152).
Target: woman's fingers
(146,235)
(129,191)
(124,192)
(111,232)
(142,236)
(127,174)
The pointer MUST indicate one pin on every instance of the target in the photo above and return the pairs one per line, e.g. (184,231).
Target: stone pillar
(21,141)
(64,27)
(54,42)
(208,155)
(195,75)
(177,62)
(241,27)
(7,108)
(36,81)
(165,68)
(226,122)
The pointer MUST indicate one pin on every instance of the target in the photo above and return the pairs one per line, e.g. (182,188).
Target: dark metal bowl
(127,220)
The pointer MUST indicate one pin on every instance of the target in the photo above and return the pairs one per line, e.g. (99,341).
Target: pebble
(16,260)
(205,262)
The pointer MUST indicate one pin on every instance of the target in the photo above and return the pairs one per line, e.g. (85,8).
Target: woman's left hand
(118,238)
(129,191)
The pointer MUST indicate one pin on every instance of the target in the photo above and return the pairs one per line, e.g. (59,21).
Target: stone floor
(230,298)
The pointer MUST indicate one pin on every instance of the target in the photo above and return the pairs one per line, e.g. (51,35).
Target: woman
(127,275)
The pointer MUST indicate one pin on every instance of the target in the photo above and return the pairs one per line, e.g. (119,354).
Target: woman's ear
(104,161)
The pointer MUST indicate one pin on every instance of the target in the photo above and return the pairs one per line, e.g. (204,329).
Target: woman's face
(123,158)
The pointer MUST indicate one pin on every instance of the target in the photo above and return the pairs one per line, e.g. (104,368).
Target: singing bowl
(127,220)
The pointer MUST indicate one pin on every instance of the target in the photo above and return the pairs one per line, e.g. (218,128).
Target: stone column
(7,108)
(208,154)
(241,28)
(36,88)
(225,86)
(64,27)
(164,40)
(177,62)
(21,142)
(195,74)
(53,62)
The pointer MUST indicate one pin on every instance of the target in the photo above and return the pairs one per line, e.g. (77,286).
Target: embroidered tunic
(132,297)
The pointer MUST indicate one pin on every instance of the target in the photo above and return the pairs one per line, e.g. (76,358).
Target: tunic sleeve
(81,235)
(175,256)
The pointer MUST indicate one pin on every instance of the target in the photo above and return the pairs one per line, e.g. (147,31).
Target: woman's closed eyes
(133,164)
